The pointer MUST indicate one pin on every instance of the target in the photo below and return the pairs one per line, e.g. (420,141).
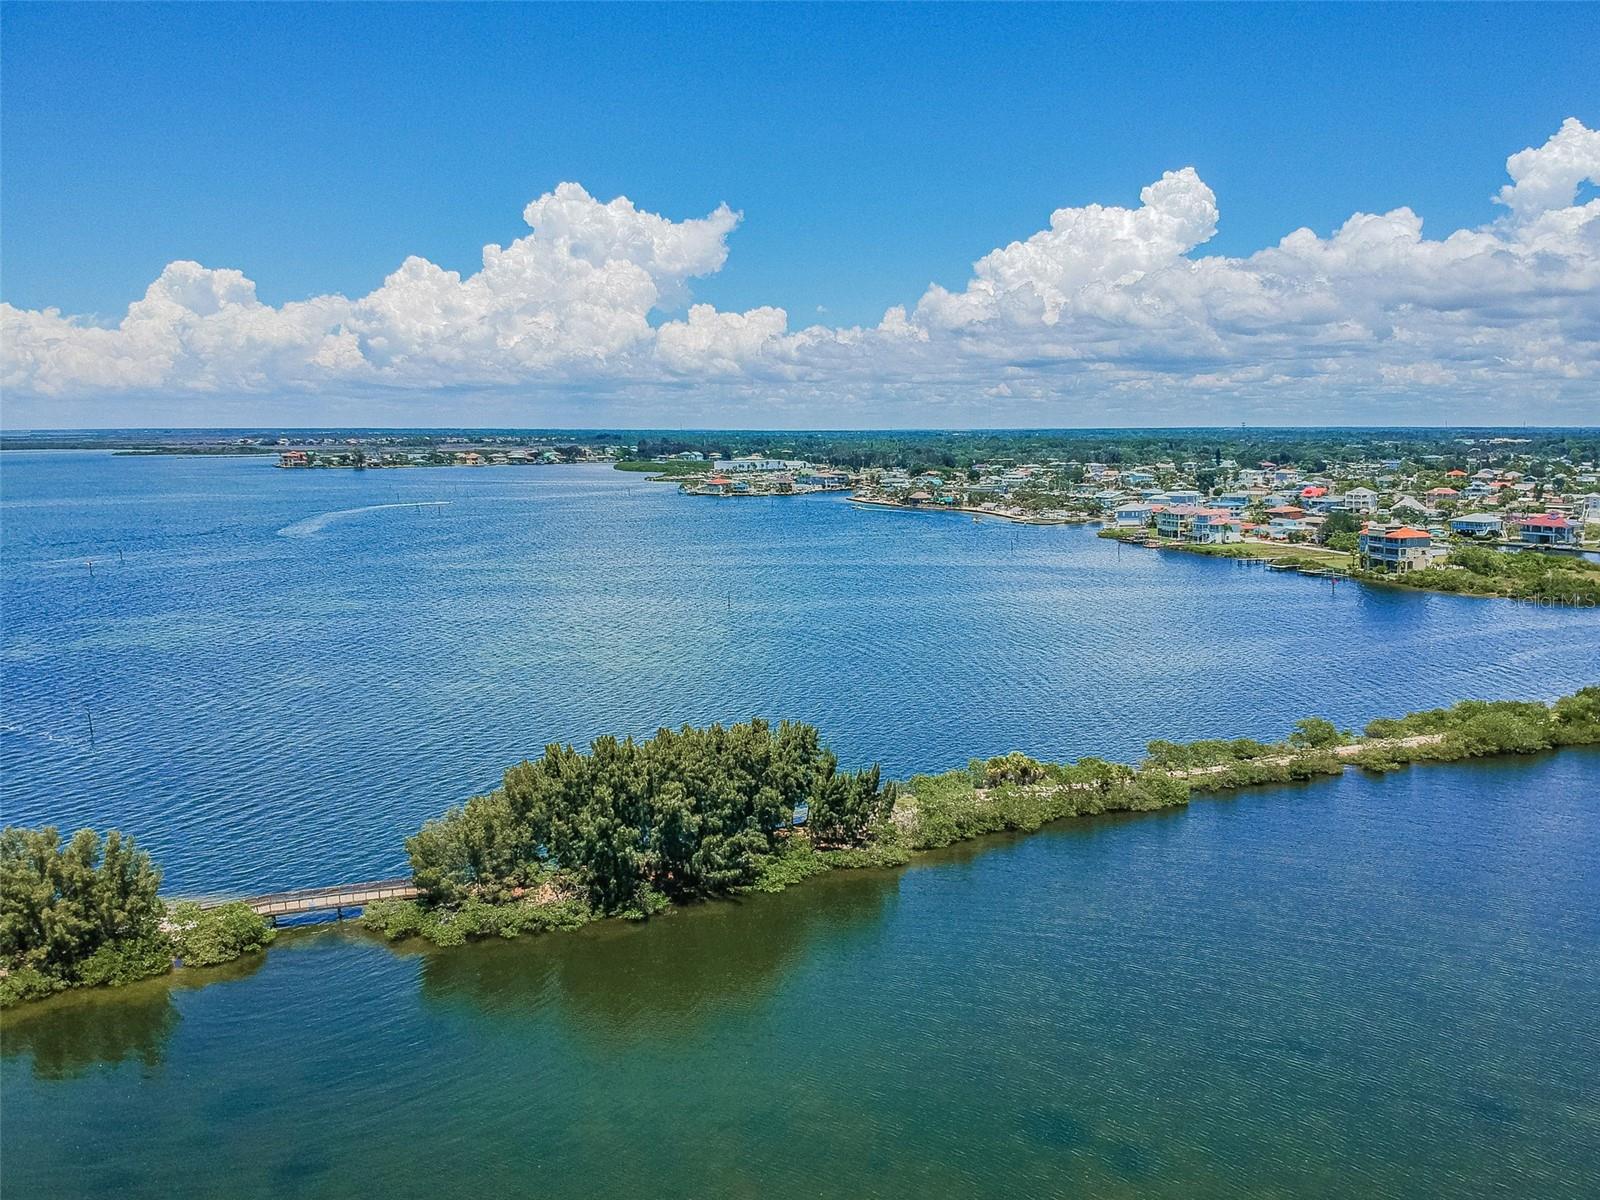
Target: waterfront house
(1203,526)
(294,458)
(751,462)
(1170,520)
(1396,548)
(1287,529)
(1214,527)
(1132,515)
(1476,525)
(1547,530)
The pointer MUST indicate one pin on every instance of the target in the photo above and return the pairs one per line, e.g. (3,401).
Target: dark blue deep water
(1357,987)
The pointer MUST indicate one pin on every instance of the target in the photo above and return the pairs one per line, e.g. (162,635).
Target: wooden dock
(324,899)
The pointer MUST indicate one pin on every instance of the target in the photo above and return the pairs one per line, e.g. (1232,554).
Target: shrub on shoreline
(206,937)
(87,914)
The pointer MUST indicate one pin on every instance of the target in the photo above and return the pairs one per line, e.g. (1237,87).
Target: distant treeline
(1307,449)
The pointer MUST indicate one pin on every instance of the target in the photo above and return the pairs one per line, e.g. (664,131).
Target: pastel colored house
(1548,530)
(1201,526)
(1287,529)
(1476,525)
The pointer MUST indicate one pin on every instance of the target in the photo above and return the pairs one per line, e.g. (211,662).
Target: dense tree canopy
(86,913)
(689,812)
(60,903)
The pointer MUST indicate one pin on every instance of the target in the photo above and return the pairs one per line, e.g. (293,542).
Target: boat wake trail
(313,525)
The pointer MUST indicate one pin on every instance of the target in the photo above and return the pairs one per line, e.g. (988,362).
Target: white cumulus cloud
(1109,311)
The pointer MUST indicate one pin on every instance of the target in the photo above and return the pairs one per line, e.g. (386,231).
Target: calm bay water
(1357,987)
(287,671)
(1354,988)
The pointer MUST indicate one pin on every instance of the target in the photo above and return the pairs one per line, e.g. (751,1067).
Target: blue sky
(871,150)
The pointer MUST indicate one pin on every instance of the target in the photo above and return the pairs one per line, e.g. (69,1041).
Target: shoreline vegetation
(1550,575)
(1020,516)
(629,829)
(1529,575)
(87,913)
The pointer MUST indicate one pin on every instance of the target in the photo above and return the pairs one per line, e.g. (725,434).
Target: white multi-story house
(1360,500)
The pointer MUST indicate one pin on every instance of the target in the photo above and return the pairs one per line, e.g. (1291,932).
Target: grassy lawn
(1319,556)
(663,470)
(1276,551)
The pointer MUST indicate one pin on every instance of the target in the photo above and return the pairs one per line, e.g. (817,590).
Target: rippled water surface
(1358,987)
(1355,988)
(287,670)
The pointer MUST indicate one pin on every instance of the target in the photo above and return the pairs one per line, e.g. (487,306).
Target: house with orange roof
(1547,530)
(1395,548)
(1197,524)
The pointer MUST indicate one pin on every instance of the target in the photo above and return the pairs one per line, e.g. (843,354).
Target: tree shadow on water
(68,1035)
(669,974)
(65,1036)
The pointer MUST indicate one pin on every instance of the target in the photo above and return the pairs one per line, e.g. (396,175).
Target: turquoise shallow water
(1357,987)
(1362,987)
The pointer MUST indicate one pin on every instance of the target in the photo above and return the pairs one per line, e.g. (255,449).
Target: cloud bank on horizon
(1107,312)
